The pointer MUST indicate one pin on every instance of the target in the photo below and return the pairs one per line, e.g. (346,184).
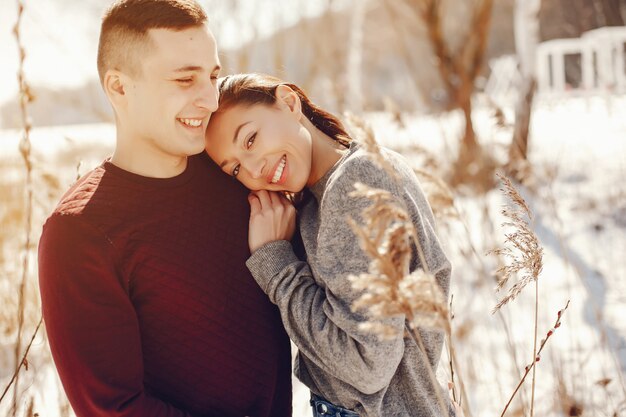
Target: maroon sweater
(149,307)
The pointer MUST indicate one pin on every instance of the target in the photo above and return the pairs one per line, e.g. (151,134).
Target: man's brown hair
(125,25)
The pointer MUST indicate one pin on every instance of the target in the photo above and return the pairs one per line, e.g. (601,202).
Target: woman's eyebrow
(223,164)
(237,131)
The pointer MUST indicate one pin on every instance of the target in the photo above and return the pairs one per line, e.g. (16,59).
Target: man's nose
(207,97)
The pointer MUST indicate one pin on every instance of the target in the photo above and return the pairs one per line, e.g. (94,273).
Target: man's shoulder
(81,193)
(98,196)
(68,217)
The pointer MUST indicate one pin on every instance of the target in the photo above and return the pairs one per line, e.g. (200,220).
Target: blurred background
(465,89)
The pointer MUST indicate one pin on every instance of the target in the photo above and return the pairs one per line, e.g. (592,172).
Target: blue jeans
(323,408)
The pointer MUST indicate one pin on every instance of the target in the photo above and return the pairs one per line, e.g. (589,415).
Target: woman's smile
(279,172)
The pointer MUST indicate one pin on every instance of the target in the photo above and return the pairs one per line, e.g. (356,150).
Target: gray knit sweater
(337,360)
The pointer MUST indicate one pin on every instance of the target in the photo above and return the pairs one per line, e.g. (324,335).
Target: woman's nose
(255,167)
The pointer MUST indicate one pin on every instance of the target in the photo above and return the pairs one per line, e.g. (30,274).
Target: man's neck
(142,159)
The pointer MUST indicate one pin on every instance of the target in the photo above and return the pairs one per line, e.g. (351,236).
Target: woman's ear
(288,99)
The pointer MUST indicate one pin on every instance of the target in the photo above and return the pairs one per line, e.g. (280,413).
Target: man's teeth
(192,122)
(279,170)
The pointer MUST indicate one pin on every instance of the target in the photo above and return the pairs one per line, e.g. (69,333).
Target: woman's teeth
(279,170)
(192,122)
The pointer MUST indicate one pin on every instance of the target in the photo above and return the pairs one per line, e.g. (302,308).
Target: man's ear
(115,84)
(287,98)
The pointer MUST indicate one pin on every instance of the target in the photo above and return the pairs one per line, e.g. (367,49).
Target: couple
(168,289)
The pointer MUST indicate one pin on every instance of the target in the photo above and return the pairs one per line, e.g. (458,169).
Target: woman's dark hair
(251,89)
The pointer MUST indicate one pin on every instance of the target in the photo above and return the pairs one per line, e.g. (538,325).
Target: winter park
(510,113)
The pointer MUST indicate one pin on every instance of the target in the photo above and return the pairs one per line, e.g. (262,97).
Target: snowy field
(578,196)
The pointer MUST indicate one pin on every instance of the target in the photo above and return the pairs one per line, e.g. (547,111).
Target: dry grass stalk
(388,287)
(521,248)
(387,236)
(439,195)
(428,160)
(365,135)
(568,402)
(26,97)
(23,362)
(537,358)
(525,257)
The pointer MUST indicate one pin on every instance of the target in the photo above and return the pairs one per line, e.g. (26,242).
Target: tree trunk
(612,12)
(471,165)
(355,58)
(526,40)
(470,145)
(519,146)
(458,71)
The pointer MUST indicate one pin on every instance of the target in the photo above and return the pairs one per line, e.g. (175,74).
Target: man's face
(170,101)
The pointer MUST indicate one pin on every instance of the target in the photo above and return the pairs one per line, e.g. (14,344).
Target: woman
(268,135)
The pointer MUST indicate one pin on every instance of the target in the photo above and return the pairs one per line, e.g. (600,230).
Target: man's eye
(250,141)
(235,171)
(184,80)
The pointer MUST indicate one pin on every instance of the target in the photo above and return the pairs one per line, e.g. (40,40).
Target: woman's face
(265,147)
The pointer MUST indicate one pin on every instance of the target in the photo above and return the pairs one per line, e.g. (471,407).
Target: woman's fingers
(272,217)
(264,199)
(272,200)
(275,198)
(255,204)
(284,200)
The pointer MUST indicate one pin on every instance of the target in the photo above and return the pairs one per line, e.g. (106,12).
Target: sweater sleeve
(317,312)
(91,324)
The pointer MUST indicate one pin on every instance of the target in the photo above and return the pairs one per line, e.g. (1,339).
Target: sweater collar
(319,187)
(182,178)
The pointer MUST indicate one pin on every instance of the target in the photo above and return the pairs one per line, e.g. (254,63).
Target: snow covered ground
(578,151)
(579,199)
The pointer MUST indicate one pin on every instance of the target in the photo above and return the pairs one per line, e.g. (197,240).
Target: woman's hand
(272,217)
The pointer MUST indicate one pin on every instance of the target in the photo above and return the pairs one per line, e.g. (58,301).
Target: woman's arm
(317,312)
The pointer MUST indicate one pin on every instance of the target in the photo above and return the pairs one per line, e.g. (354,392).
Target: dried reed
(439,195)
(525,257)
(537,357)
(389,288)
(365,135)
(26,97)
(521,248)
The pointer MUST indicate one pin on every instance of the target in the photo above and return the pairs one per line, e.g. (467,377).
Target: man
(149,308)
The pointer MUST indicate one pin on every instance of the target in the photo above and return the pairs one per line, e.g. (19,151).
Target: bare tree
(611,10)
(459,70)
(526,40)
(571,18)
